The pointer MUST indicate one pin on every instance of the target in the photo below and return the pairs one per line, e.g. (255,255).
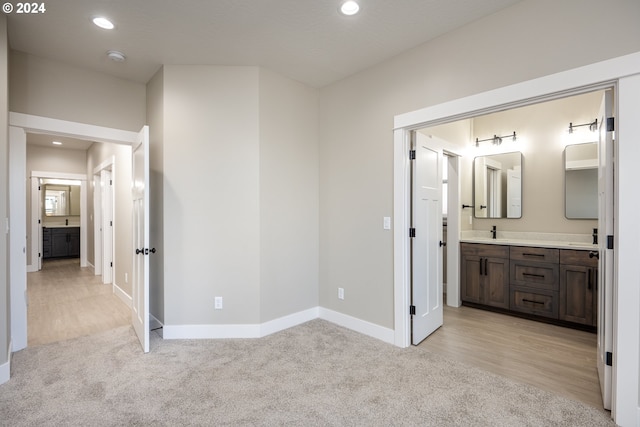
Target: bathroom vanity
(60,242)
(551,281)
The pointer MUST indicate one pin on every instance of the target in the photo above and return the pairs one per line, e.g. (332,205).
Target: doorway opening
(543,131)
(20,126)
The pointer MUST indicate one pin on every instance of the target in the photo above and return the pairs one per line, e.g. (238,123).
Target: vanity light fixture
(496,140)
(56,142)
(349,8)
(103,23)
(593,126)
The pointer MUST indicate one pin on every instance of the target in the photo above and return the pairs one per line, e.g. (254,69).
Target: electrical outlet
(218,303)
(340,293)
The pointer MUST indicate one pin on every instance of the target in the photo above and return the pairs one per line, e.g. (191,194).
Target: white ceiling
(307,40)
(43,140)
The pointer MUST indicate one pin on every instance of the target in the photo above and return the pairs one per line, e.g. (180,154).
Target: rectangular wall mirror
(61,199)
(581,181)
(497,186)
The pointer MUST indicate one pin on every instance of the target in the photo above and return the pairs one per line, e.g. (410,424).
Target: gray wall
(531,39)
(543,135)
(240,193)
(48,88)
(123,206)
(288,196)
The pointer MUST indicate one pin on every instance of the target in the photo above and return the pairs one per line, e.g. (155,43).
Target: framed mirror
(497,186)
(581,181)
(61,200)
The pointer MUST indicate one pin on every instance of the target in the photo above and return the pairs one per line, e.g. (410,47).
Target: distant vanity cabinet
(60,242)
(548,284)
(484,275)
(578,286)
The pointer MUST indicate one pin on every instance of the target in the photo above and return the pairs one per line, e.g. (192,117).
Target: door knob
(138,251)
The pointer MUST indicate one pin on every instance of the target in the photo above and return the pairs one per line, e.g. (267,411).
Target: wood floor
(553,358)
(67,301)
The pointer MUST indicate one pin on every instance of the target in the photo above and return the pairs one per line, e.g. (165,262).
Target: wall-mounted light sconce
(496,140)
(593,126)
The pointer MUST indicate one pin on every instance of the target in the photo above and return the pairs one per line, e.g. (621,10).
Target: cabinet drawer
(486,251)
(535,275)
(524,253)
(540,303)
(578,257)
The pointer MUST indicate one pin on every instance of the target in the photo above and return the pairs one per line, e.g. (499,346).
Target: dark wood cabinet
(485,274)
(547,284)
(578,284)
(63,242)
(534,280)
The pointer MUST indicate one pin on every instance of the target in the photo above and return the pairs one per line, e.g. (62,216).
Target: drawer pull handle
(534,255)
(538,276)
(532,301)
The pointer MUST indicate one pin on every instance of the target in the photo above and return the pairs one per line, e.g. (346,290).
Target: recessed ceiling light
(103,22)
(349,7)
(116,56)
(56,142)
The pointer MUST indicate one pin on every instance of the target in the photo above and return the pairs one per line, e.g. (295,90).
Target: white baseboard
(276,325)
(239,331)
(358,325)
(5,368)
(122,295)
(32,268)
(289,321)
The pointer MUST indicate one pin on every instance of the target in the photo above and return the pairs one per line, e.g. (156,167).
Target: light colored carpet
(315,374)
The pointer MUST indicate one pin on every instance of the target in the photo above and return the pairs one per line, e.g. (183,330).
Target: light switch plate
(386,223)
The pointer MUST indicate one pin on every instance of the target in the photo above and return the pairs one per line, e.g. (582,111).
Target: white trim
(401,273)
(17,233)
(272,326)
(239,331)
(117,290)
(38,124)
(358,325)
(5,368)
(579,80)
(289,321)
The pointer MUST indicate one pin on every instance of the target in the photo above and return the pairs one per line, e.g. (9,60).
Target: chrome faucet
(493,232)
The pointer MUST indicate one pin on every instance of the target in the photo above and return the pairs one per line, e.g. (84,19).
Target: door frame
(36,208)
(621,73)
(38,124)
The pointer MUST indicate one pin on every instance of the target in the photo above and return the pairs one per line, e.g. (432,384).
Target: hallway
(66,301)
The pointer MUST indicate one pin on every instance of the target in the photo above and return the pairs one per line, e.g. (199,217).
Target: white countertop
(543,240)
(60,226)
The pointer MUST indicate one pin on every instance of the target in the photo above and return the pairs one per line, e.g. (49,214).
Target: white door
(426,251)
(140,191)
(605,265)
